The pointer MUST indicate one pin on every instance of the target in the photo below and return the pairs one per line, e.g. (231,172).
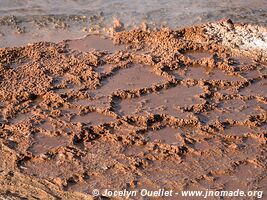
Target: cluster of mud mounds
(174,109)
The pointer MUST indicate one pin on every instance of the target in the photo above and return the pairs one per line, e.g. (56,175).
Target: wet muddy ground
(23,22)
(174,109)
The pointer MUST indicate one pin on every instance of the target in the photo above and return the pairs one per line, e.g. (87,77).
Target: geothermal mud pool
(173,109)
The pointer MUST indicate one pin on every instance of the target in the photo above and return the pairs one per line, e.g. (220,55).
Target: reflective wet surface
(32,21)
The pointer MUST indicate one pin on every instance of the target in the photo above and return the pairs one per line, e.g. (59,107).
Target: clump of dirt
(174,109)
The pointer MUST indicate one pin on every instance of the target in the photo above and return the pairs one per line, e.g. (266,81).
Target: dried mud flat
(175,109)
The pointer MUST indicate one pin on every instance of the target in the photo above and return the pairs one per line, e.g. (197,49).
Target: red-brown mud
(175,109)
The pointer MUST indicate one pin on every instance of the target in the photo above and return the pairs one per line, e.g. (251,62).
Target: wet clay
(94,42)
(165,135)
(197,55)
(171,101)
(177,109)
(43,143)
(92,118)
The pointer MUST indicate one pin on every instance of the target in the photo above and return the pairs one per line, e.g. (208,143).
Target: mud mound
(175,109)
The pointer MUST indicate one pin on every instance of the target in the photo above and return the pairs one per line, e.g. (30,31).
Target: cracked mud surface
(155,109)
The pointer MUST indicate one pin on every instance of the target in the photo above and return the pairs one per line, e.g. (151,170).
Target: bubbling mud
(144,109)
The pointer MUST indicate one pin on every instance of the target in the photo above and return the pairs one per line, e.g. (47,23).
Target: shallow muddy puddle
(67,113)
(164,102)
(179,74)
(94,42)
(228,90)
(197,55)
(202,145)
(261,105)
(164,169)
(134,150)
(80,187)
(243,174)
(57,167)
(199,72)
(236,110)
(252,74)
(101,102)
(258,88)
(21,117)
(57,80)
(134,77)
(165,135)
(105,69)
(69,110)
(241,60)
(47,126)
(92,118)
(43,143)
(36,101)
(238,130)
